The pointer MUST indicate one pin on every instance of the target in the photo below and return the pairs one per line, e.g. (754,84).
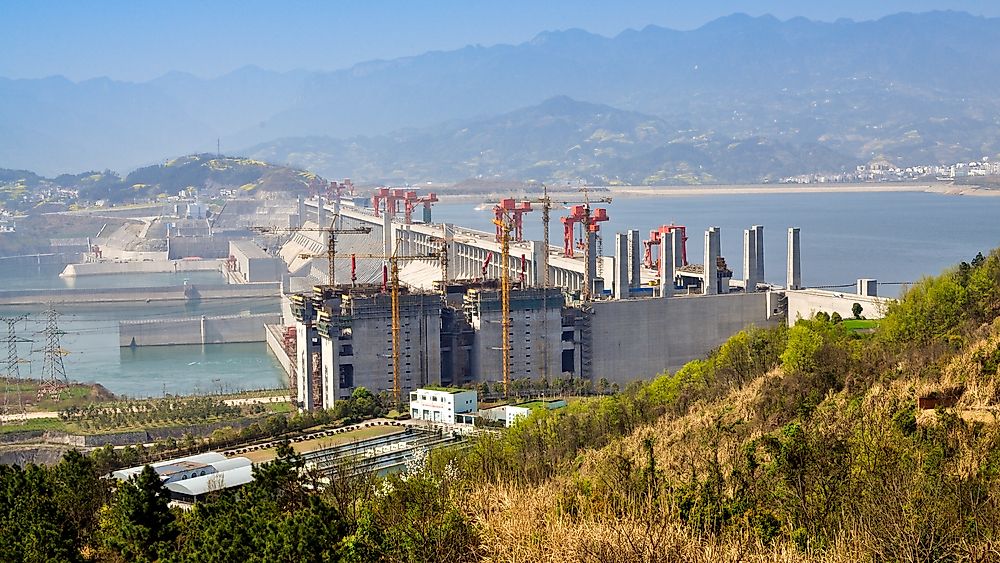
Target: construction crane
(393,289)
(331,241)
(504,225)
(590,222)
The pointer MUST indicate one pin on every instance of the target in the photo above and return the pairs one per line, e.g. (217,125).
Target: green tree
(138,525)
(32,528)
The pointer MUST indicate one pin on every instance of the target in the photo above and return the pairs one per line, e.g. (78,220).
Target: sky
(137,40)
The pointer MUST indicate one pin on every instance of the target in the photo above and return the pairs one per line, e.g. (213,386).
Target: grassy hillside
(801,444)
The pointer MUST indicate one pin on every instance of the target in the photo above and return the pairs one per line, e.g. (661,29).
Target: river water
(888,236)
(91,338)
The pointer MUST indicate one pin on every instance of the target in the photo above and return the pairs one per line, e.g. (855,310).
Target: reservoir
(888,236)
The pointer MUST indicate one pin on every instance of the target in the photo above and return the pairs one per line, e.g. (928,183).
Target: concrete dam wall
(195,330)
(139,294)
(151,267)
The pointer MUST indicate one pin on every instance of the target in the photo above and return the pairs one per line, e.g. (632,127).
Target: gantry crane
(331,241)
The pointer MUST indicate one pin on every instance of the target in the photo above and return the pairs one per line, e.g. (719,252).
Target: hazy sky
(142,39)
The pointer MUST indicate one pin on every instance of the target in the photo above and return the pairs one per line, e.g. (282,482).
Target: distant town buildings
(884,171)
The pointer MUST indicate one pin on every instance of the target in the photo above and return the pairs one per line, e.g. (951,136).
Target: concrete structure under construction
(250,264)
(658,312)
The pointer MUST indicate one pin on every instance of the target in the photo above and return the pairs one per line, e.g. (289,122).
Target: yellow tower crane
(394,286)
(504,223)
(331,241)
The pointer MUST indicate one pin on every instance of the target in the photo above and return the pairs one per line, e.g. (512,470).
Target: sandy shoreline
(688,191)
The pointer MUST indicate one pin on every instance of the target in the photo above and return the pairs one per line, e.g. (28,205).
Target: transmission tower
(53,370)
(12,403)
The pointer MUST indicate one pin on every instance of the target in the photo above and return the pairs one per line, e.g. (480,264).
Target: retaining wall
(152,267)
(195,330)
(805,303)
(273,334)
(640,338)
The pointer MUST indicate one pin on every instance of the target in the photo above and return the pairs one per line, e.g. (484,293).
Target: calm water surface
(892,237)
(91,338)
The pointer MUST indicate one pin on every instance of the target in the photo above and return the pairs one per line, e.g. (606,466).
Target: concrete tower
(667,264)
(712,239)
(621,283)
(634,258)
(759,251)
(794,274)
(678,251)
(750,260)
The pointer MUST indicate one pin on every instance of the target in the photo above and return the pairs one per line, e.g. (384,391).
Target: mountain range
(739,99)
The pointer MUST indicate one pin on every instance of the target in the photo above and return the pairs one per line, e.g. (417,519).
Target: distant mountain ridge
(560,138)
(909,87)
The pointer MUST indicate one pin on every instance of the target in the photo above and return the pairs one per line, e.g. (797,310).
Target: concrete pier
(195,330)
(750,260)
(712,241)
(634,258)
(667,264)
(759,251)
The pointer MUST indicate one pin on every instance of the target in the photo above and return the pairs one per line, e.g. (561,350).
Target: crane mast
(504,225)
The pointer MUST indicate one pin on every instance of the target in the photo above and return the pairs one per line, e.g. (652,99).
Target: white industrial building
(190,478)
(443,404)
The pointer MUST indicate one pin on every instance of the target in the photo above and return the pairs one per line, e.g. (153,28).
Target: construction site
(393,302)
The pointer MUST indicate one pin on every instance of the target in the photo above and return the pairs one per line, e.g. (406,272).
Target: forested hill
(785,444)
(23,190)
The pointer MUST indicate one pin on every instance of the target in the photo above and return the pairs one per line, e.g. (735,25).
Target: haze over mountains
(739,99)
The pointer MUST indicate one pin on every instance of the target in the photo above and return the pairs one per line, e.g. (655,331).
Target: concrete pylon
(794,273)
(750,260)
(621,281)
(667,264)
(759,251)
(304,365)
(634,258)
(678,250)
(449,240)
(711,268)
(387,238)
